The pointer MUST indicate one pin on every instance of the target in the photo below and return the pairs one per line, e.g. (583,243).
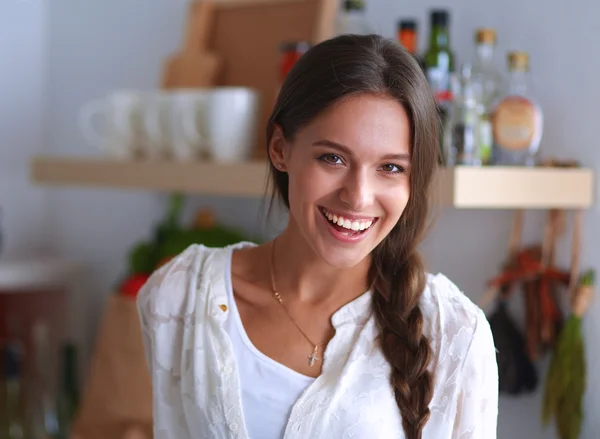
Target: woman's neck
(298,270)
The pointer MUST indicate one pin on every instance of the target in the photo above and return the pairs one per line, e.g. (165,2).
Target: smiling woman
(354,162)
(333,329)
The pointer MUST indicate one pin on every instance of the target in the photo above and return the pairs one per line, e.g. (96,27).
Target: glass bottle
(352,20)
(487,82)
(517,119)
(290,53)
(407,34)
(485,71)
(462,127)
(12,419)
(439,67)
(68,391)
(42,408)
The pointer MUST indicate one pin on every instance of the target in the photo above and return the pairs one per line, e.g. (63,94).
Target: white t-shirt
(269,389)
(199,384)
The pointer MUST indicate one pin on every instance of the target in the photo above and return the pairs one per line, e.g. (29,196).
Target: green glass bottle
(439,68)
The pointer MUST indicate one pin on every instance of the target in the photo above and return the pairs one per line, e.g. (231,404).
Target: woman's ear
(277,149)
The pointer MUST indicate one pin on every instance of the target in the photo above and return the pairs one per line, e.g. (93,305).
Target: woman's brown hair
(349,65)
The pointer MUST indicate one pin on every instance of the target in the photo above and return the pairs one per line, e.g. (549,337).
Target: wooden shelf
(460,187)
(517,187)
(246,179)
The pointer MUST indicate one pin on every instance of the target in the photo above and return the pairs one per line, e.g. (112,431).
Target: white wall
(94,47)
(22,69)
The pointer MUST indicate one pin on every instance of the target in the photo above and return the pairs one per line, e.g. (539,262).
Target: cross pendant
(313,357)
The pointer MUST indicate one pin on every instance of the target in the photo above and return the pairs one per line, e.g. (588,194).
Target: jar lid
(485,35)
(518,60)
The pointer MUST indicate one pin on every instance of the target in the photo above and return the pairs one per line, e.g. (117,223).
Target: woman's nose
(358,191)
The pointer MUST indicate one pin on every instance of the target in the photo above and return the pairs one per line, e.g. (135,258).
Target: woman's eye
(391,168)
(331,159)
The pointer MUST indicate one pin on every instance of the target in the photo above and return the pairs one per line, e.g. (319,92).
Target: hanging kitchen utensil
(516,373)
(566,380)
(532,271)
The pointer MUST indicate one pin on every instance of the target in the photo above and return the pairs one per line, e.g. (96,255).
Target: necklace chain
(313,356)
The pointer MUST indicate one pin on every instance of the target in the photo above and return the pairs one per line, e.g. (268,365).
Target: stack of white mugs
(186,124)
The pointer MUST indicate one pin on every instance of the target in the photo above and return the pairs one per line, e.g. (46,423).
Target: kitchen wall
(95,46)
(22,71)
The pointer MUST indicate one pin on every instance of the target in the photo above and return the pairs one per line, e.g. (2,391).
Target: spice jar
(290,53)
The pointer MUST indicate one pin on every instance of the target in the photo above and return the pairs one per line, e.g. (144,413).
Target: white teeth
(346,223)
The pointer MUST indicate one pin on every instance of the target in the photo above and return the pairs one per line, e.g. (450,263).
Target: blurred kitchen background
(66,252)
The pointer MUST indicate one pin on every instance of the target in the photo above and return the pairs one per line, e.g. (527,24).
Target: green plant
(171,238)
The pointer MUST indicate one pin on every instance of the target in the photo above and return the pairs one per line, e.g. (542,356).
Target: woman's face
(349,173)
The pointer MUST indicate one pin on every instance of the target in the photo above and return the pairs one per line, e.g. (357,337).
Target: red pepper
(132,285)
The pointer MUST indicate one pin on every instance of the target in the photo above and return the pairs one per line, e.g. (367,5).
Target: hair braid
(396,306)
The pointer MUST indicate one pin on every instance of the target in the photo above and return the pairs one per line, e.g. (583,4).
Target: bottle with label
(487,80)
(439,67)
(352,20)
(407,34)
(517,119)
(439,59)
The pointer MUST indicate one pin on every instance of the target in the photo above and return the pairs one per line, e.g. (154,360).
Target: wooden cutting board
(193,66)
(185,70)
(199,26)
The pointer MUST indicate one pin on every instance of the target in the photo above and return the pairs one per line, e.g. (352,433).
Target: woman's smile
(347,227)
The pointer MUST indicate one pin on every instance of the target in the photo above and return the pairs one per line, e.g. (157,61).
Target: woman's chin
(341,256)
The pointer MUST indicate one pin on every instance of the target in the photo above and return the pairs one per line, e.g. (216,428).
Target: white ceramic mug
(155,124)
(120,112)
(187,123)
(231,122)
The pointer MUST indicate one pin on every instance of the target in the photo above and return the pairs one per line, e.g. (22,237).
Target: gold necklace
(312,358)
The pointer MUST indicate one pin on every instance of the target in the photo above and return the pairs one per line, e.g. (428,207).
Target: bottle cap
(518,60)
(485,35)
(440,17)
(407,24)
